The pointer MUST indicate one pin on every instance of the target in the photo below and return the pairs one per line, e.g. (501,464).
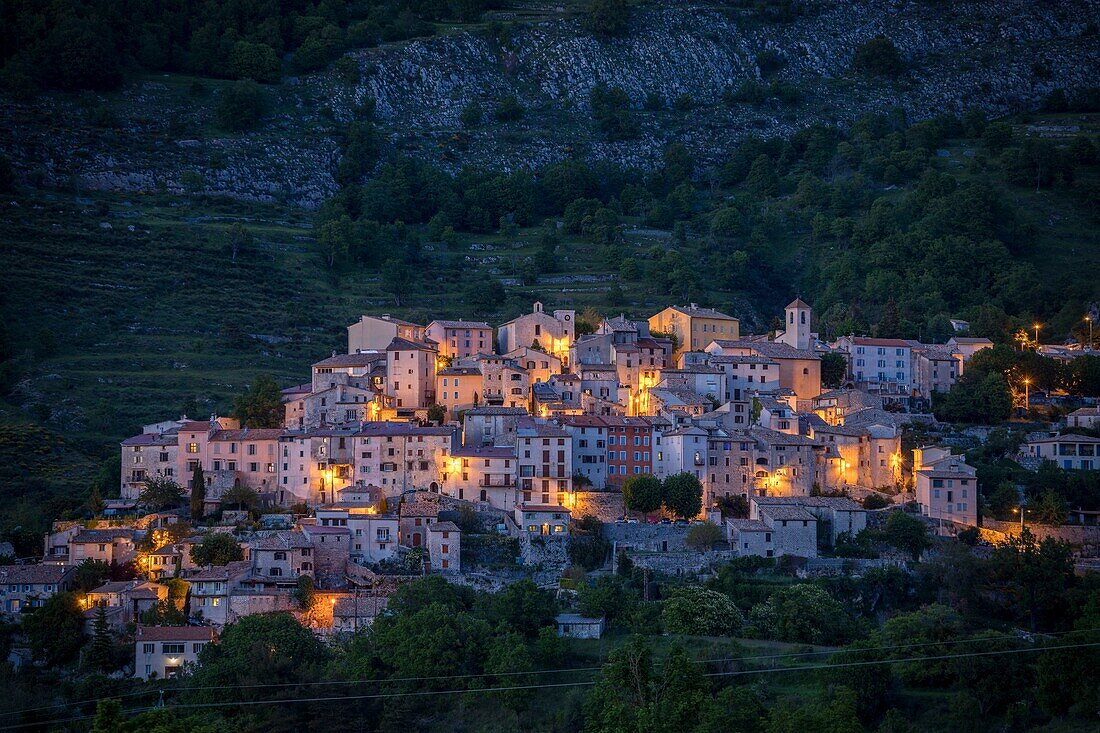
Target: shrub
(241,106)
(879,57)
(696,610)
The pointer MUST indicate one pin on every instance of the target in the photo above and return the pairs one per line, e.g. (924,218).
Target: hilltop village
(489,454)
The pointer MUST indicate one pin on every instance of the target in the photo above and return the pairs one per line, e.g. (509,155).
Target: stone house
(410,374)
(373,536)
(281,557)
(113,545)
(483,473)
(162,652)
(553,333)
(374,333)
(542,519)
(575,626)
(211,588)
(444,547)
(28,586)
(794,529)
(459,339)
(694,327)
(1071,452)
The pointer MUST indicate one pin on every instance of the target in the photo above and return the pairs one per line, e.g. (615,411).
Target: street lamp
(1089,319)
(1020,510)
(1027,402)
(1036,327)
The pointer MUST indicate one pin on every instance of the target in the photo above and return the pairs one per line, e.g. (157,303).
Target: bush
(607,17)
(241,106)
(696,610)
(803,613)
(879,57)
(508,109)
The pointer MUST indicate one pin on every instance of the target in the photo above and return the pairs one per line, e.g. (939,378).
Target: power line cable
(553,685)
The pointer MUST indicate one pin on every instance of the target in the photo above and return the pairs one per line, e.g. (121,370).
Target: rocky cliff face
(1001,55)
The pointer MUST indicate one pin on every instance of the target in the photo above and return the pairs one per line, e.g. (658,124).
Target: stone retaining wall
(606,506)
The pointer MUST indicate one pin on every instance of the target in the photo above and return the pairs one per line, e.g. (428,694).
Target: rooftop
(461,324)
(345,361)
(694,311)
(33,574)
(174,633)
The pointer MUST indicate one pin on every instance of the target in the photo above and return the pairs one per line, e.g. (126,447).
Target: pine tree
(383,505)
(890,325)
(99,654)
(95,501)
(198,493)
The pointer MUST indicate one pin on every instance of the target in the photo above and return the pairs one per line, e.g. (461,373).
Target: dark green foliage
(683,495)
(703,537)
(256,61)
(698,611)
(587,547)
(90,574)
(268,648)
(241,497)
(217,548)
(642,493)
(522,607)
(975,399)
(609,596)
(198,492)
(1035,575)
(55,630)
(612,112)
(607,17)
(801,613)
(160,493)
(261,405)
(241,106)
(472,114)
(81,44)
(99,652)
(878,56)
(508,109)
(633,695)
(907,533)
(833,369)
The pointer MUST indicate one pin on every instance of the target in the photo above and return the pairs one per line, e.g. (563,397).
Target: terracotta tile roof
(697,312)
(175,633)
(462,324)
(101,535)
(787,512)
(34,574)
(338,361)
(893,343)
(484,451)
(400,344)
(770,349)
(223,572)
(223,436)
(443,527)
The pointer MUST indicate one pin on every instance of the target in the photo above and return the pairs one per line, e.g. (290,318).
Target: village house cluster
(521,424)
(528,412)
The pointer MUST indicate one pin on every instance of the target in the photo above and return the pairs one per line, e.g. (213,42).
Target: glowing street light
(1036,327)
(1089,319)
(1027,402)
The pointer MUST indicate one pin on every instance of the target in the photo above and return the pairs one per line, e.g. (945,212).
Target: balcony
(497,483)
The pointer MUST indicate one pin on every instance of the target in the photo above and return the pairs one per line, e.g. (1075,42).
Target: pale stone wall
(606,506)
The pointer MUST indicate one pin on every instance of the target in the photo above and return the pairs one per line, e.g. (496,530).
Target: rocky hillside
(157,134)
